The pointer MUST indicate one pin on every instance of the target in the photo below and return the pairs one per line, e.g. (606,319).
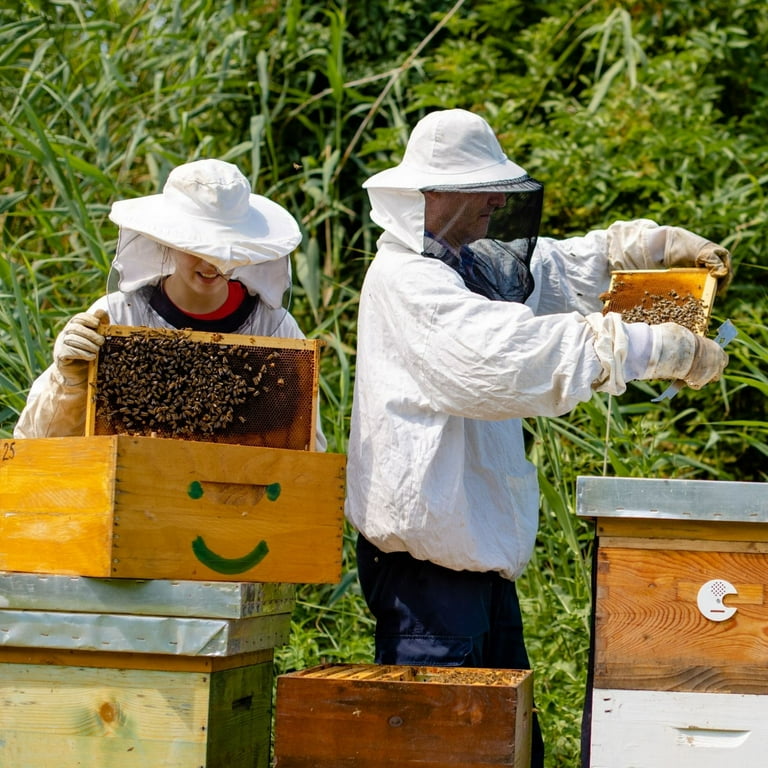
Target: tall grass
(99,101)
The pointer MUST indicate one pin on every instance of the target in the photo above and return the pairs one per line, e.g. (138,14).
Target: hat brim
(264,233)
(522,184)
(403,176)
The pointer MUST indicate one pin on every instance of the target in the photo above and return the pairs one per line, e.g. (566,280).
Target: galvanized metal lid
(121,633)
(151,597)
(672,499)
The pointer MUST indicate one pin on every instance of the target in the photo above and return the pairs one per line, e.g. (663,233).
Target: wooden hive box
(159,508)
(680,611)
(77,710)
(217,387)
(372,716)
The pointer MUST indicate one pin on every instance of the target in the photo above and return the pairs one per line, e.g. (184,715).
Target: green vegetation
(622,110)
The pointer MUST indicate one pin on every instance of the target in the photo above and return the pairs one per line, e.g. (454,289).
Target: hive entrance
(201,386)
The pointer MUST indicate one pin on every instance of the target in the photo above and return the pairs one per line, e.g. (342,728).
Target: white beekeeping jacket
(436,459)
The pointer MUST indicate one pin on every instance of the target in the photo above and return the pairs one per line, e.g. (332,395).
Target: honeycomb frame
(215,387)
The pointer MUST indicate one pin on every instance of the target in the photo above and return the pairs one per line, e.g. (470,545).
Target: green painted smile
(229,565)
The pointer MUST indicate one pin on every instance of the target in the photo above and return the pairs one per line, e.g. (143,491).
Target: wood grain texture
(56,495)
(301,523)
(132,507)
(650,634)
(370,722)
(149,661)
(696,532)
(91,718)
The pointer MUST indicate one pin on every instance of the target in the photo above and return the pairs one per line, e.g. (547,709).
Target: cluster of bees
(672,307)
(167,384)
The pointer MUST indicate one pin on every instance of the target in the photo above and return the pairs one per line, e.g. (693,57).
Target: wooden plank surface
(232,501)
(650,633)
(151,508)
(93,718)
(101,717)
(165,662)
(56,496)
(696,531)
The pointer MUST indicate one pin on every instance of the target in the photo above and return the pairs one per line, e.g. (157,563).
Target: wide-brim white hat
(207,209)
(450,148)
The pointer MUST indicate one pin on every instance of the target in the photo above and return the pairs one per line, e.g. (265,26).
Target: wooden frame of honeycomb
(191,385)
(683,296)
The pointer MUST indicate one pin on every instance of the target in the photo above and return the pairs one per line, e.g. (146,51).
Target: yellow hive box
(217,387)
(156,508)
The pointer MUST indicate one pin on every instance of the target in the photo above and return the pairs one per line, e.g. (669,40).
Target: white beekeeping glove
(77,344)
(680,355)
(687,249)
(643,244)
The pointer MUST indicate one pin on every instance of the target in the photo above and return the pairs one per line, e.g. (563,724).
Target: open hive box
(683,296)
(373,715)
(198,463)
(223,388)
(139,507)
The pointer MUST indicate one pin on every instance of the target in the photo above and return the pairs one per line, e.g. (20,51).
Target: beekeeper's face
(458,218)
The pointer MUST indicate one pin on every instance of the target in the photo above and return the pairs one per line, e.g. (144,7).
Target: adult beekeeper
(469,322)
(206,254)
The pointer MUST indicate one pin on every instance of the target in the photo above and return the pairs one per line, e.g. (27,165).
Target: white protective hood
(207,209)
(450,148)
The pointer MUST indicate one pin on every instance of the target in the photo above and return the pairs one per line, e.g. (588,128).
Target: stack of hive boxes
(107,672)
(144,584)
(681,607)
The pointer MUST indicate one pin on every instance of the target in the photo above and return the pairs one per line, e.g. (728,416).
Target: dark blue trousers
(429,615)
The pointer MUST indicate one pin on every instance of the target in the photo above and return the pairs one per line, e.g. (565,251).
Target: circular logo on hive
(710,599)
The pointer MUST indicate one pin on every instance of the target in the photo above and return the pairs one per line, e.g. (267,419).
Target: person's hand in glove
(709,361)
(78,343)
(687,249)
(681,355)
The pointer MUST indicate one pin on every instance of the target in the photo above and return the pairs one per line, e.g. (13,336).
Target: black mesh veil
(487,232)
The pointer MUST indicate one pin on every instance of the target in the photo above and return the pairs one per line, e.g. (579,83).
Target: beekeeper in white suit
(469,322)
(205,254)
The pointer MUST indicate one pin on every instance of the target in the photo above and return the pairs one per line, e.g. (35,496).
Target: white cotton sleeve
(639,350)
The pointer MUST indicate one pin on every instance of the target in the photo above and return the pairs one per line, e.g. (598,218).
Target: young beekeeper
(468,323)
(205,254)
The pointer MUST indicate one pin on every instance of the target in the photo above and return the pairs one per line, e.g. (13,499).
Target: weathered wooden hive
(376,716)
